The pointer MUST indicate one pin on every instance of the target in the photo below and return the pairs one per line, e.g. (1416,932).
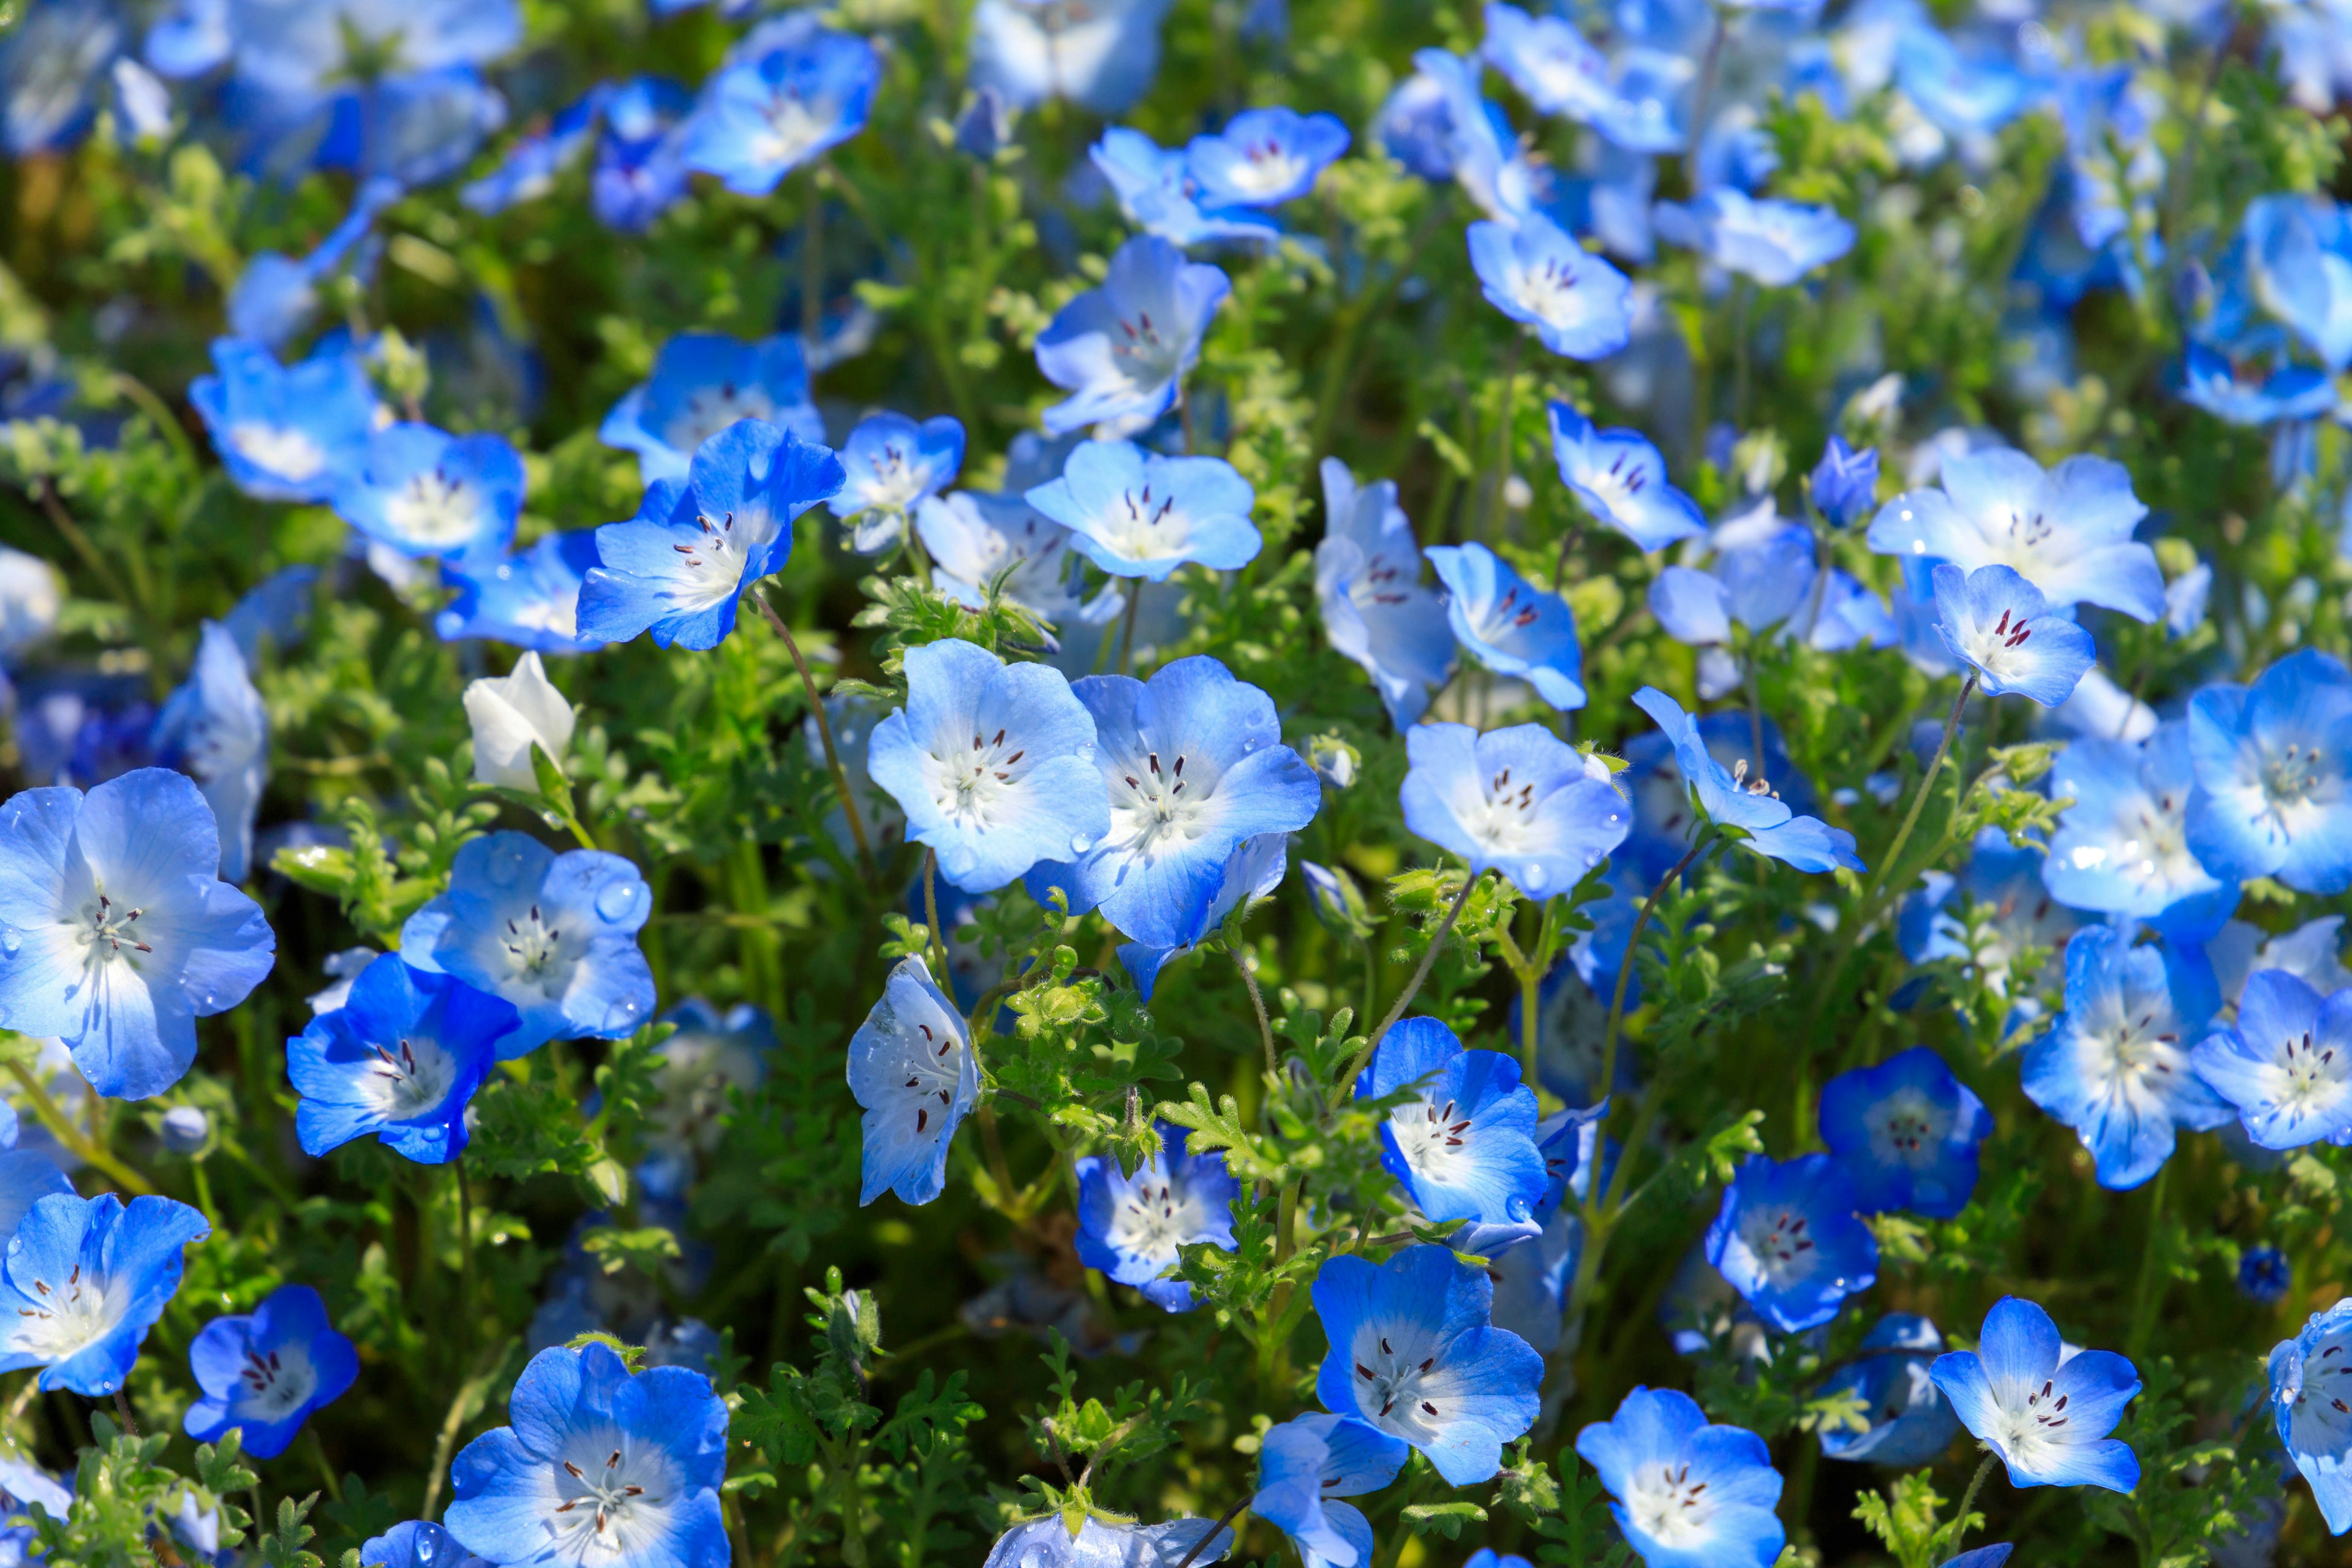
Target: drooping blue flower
(1909,1423)
(1843,482)
(1553,66)
(1415,127)
(1517,800)
(1192,764)
(425,492)
(1252,872)
(2067,532)
(1305,1466)
(277,296)
(2285,1064)
(1048,1542)
(416,1543)
(2252,391)
(1756,585)
(2122,849)
(1533,273)
(2047,1414)
(1024,789)
(2298,256)
(555,935)
(1462,1143)
(1376,609)
(1479,149)
(680,567)
(1622,478)
(2273,766)
(640,170)
(90,1277)
(1907,1131)
(401,1058)
(530,168)
(49,64)
(1509,625)
(793,91)
(601,1465)
(2311,1403)
(1414,1353)
(889,463)
(262,1373)
(979,543)
(2116,1068)
(1788,1240)
(2264,1275)
(1765,824)
(1686,1494)
(1998,625)
(116,935)
(530,599)
(285,432)
(1773,241)
(1137,514)
(215,729)
(1132,1227)
(1667,820)
(1158,194)
(1100,57)
(711,1057)
(1122,350)
(1264,157)
(703,383)
(911,1067)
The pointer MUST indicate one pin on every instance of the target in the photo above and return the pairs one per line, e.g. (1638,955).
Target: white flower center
(1669,1507)
(283,450)
(1782,1245)
(275,1384)
(1155,1218)
(536,955)
(612,1503)
(1550,292)
(412,1079)
(717,562)
(1389,1384)
(893,482)
(108,931)
(1142,528)
(1266,169)
(1143,356)
(435,509)
(967,787)
(1906,1129)
(2027,1432)
(793,130)
(76,1312)
(1153,815)
(714,408)
(1616,487)
(1432,1140)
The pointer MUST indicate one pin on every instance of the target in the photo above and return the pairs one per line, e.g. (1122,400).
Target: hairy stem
(1405,996)
(824,732)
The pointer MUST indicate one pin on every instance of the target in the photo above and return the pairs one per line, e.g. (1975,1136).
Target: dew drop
(507,862)
(1080,843)
(10,942)
(620,901)
(621,1015)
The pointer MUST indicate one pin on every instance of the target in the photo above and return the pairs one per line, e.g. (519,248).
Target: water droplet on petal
(506,861)
(619,900)
(1080,844)
(10,942)
(621,1015)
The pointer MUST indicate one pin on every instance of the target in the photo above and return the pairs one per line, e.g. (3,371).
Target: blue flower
(1665,818)
(49,64)
(711,1057)
(2067,532)
(1775,242)
(1308,1463)
(991,807)
(912,1070)
(2314,1416)
(1158,194)
(1376,610)
(1907,1131)
(793,91)
(555,935)
(215,729)
(1414,1353)
(1509,625)
(26,1175)
(889,463)
(1517,800)
(1788,1240)
(1415,127)
(2116,1068)
(1462,1144)
(1910,1422)
(600,1462)
(1137,514)
(416,1543)
(2264,1275)
(425,492)
(264,1372)
(2046,1414)
(2245,392)
(2272,763)
(530,168)
(1192,764)
(115,933)
(702,384)
(1756,585)
(1622,478)
(1253,871)
(2298,255)
(276,296)
(1122,350)
(1998,623)
(2017,910)
(2122,849)
(1132,1227)
(285,432)
(1553,66)
(2285,1064)
(530,599)
(1537,274)
(640,170)
(680,566)
(1102,57)
(1843,482)
(1264,157)
(1048,1542)
(1765,823)
(90,1277)
(400,1058)
(1686,1494)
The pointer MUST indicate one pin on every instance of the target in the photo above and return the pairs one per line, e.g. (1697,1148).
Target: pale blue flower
(263,1373)
(285,432)
(793,91)
(702,384)
(1158,194)
(1376,609)
(1264,157)
(1137,514)
(1517,800)
(1509,625)
(1102,57)
(90,1277)
(1775,242)
(1906,1133)
(530,599)
(2285,1063)
(1132,1228)
(399,1058)
(1789,1241)
(2046,1414)
(1553,66)
(1843,482)
(1998,625)
(1686,1494)
(1910,1424)
(215,729)
(1622,478)
(1305,1466)
(2274,767)
(1122,350)
(2311,1404)
(911,1069)
(1048,1542)
(1765,824)
(1461,1141)
(1533,273)
(889,465)
(425,492)
(2122,849)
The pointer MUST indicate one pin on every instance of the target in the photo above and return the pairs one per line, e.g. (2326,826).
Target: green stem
(1625,969)
(1420,974)
(931,916)
(823,733)
(464,1259)
(1886,862)
(67,1134)
(326,1471)
(1247,965)
(1127,633)
(2146,1295)
(1969,1498)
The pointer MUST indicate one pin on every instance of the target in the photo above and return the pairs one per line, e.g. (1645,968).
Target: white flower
(512,714)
